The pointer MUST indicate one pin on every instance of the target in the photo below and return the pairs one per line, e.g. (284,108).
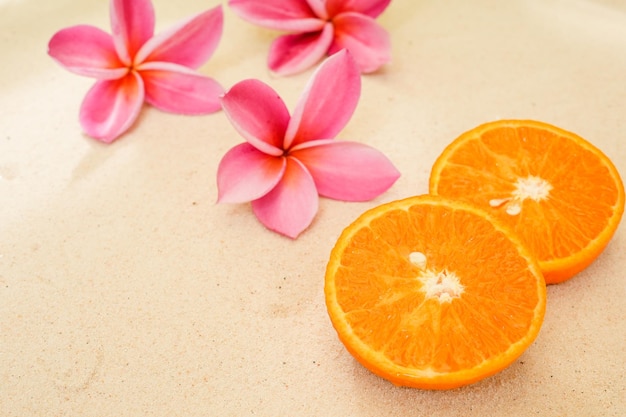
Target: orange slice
(433,293)
(560,193)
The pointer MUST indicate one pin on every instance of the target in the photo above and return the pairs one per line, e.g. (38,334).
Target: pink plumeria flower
(317,28)
(132,66)
(287,161)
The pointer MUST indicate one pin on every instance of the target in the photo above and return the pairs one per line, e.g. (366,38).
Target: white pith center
(443,286)
(532,187)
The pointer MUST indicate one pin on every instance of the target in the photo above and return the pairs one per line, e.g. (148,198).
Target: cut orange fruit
(560,193)
(433,293)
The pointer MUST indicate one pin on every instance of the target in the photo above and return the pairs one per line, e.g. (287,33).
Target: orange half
(433,293)
(561,194)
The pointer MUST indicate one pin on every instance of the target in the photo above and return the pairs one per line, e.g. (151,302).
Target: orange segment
(433,293)
(560,193)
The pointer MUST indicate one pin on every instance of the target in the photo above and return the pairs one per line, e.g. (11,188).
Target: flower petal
(246,174)
(328,101)
(178,89)
(285,15)
(190,43)
(290,54)
(132,23)
(347,171)
(319,8)
(367,41)
(111,107)
(86,50)
(291,206)
(371,8)
(258,113)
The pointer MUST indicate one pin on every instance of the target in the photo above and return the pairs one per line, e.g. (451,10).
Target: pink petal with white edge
(347,171)
(132,23)
(291,54)
(111,107)
(246,174)
(258,114)
(177,89)
(371,8)
(328,101)
(367,41)
(190,43)
(291,206)
(86,50)
(285,15)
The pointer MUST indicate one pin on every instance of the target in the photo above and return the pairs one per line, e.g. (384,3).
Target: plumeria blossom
(319,27)
(133,66)
(287,161)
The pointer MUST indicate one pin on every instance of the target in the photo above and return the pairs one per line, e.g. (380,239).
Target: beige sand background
(126,291)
